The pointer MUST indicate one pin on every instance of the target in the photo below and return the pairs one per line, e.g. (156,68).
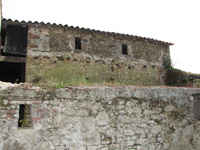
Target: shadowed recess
(12,72)
(16,40)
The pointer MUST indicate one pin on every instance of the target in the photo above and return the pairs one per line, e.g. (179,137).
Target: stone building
(59,55)
(90,118)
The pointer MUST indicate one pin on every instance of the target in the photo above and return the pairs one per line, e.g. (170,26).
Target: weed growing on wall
(76,73)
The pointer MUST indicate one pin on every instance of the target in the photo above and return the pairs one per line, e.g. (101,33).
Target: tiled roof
(89,30)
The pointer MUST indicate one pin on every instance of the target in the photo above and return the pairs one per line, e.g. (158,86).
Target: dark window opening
(77,43)
(25,119)
(12,72)
(15,39)
(124,49)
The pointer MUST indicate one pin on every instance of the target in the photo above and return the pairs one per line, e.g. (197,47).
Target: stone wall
(99,61)
(100,118)
(84,70)
(60,40)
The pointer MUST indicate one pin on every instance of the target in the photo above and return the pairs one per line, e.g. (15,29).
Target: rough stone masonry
(100,118)
(83,55)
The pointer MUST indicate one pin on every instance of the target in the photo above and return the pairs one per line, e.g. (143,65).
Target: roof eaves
(86,29)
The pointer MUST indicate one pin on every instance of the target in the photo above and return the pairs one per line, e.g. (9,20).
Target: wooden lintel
(13,59)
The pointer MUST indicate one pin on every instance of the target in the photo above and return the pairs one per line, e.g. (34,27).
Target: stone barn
(58,55)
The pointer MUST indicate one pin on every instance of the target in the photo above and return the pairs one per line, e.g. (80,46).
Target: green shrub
(176,77)
(173,76)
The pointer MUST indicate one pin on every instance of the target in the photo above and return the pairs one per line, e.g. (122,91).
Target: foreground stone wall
(100,118)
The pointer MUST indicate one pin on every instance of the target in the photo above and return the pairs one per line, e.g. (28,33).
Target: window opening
(15,42)
(77,43)
(25,119)
(124,49)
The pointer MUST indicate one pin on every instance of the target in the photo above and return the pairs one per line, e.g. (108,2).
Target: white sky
(176,21)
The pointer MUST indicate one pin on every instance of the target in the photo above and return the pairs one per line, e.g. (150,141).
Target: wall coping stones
(178,95)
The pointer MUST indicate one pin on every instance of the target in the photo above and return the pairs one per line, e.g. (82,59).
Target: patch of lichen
(2,103)
(49,95)
(62,73)
(176,115)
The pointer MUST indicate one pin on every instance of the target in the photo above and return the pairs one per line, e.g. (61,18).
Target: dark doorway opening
(12,72)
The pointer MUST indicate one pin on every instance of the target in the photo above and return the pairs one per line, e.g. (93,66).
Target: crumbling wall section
(100,118)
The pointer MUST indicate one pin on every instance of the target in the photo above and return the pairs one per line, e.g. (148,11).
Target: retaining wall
(100,118)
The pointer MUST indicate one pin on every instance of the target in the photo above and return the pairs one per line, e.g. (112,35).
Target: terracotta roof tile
(90,30)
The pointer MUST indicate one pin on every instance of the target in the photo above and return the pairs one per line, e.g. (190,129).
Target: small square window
(124,49)
(25,118)
(77,43)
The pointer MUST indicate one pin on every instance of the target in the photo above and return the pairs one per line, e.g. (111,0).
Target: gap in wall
(12,72)
(25,119)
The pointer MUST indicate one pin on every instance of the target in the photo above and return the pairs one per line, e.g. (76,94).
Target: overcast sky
(176,21)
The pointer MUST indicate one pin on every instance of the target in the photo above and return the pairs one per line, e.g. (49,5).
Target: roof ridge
(87,29)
